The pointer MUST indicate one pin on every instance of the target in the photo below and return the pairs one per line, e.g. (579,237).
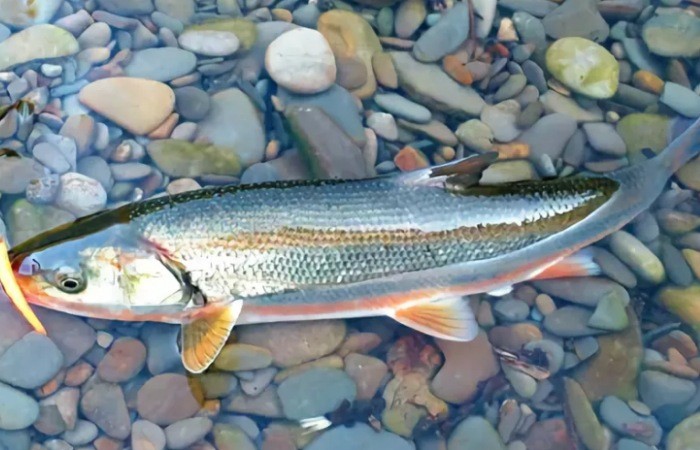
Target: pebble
(302,61)
(603,138)
(125,358)
(384,125)
(234,124)
(637,256)
(141,106)
(681,99)
(616,414)
(192,103)
(357,436)
(609,314)
(445,36)
(84,433)
(315,392)
(474,433)
(235,357)
(554,102)
(410,15)
(160,64)
(658,389)
(674,34)
(166,399)
(570,321)
(260,381)
(502,119)
(32,44)
(512,87)
(20,367)
(367,372)
(105,406)
(549,135)
(584,67)
(146,435)
(402,107)
(430,85)
(577,18)
(80,195)
(508,171)
(187,432)
(584,418)
(476,135)
(17,409)
(293,343)
(458,379)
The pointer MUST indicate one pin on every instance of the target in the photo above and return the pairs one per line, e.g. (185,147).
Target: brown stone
(455,66)
(409,159)
(647,81)
(352,73)
(513,337)
(512,150)
(678,340)
(282,14)
(384,70)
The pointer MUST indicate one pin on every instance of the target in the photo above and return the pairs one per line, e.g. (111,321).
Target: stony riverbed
(104,102)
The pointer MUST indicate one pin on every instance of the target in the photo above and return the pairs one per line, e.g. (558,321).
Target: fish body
(408,246)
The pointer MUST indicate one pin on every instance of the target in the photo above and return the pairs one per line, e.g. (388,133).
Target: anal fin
(203,338)
(580,264)
(449,318)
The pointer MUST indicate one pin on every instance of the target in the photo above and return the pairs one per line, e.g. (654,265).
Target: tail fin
(684,135)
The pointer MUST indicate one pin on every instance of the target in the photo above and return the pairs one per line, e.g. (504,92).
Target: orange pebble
(456,68)
(282,14)
(409,159)
(499,49)
(512,150)
(648,81)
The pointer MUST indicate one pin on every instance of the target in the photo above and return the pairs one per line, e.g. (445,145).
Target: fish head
(103,275)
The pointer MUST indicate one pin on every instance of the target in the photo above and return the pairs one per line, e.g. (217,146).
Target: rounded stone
(209,42)
(30,362)
(125,358)
(17,409)
(315,392)
(302,61)
(584,67)
(166,398)
(80,195)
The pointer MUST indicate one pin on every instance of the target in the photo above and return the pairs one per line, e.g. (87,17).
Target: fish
(411,246)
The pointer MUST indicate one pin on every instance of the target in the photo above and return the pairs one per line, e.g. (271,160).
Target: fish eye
(69,280)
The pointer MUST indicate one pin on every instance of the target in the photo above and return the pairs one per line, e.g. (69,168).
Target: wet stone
(185,433)
(125,358)
(165,399)
(315,392)
(30,362)
(104,405)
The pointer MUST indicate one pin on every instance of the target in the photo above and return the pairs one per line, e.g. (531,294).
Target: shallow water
(106,102)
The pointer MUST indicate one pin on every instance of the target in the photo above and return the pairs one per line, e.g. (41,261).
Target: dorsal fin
(464,170)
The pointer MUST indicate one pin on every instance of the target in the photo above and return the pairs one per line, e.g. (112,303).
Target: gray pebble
(530,115)
(192,103)
(511,310)
(30,362)
(42,191)
(315,392)
(83,433)
(658,389)
(549,135)
(512,87)
(96,35)
(259,173)
(98,169)
(161,343)
(50,156)
(645,227)
(530,29)
(130,171)
(187,432)
(535,76)
(570,321)
(261,379)
(586,347)
(675,264)
(402,107)
(611,266)
(575,149)
(307,15)
(604,138)
(169,23)
(619,416)
(681,99)
(445,36)
(17,409)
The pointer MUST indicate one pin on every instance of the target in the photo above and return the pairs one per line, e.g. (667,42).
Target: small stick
(9,284)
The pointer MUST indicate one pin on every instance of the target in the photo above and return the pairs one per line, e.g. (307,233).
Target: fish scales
(249,242)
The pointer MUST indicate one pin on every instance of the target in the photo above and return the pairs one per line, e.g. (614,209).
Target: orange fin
(13,291)
(580,264)
(204,337)
(449,318)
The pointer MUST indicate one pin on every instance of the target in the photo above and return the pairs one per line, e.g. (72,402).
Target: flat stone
(658,389)
(70,333)
(357,436)
(265,404)
(302,61)
(329,152)
(549,135)
(235,124)
(637,256)
(80,195)
(105,406)
(351,36)
(434,130)
(577,18)
(681,99)
(402,107)
(502,118)
(236,357)
(315,392)
(187,432)
(294,343)
(209,42)
(147,435)
(338,104)
(141,106)
(585,421)
(622,419)
(584,67)
(555,102)
(429,85)
(17,410)
(475,433)
(459,378)
(125,358)
(570,321)
(30,362)
(36,42)
(675,34)
(83,433)
(445,36)
(165,399)
(367,372)
(160,64)
(508,172)
(604,138)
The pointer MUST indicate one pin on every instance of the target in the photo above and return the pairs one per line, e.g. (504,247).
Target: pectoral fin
(448,318)
(203,338)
